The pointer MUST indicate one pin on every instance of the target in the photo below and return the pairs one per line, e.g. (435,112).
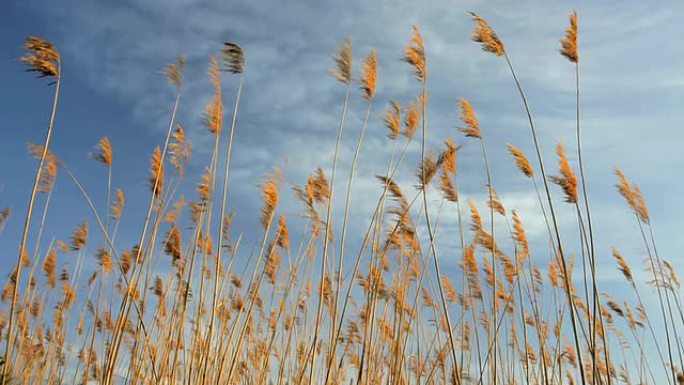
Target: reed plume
(521,160)
(117,206)
(103,152)
(414,54)
(42,57)
(213,112)
(483,34)
(233,58)
(343,59)
(179,150)
(269,194)
(569,41)
(156,178)
(633,196)
(369,74)
(472,127)
(392,119)
(520,238)
(174,71)
(283,239)
(411,119)
(622,264)
(567,179)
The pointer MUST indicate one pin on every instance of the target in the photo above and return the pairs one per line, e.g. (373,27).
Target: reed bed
(189,303)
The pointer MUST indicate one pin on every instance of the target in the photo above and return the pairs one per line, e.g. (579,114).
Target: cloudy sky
(112,53)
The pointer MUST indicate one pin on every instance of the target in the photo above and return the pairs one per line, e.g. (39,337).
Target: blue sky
(112,52)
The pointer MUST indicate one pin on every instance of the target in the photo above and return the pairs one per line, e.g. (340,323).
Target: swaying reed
(41,57)
(342,73)
(521,160)
(187,303)
(414,54)
(567,179)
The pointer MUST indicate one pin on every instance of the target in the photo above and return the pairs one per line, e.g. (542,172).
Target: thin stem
(566,279)
(27,223)
(326,240)
(220,234)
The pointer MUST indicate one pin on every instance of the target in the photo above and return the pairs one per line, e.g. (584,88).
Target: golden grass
(191,304)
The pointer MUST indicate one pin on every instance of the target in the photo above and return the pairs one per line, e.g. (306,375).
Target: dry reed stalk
(174,73)
(367,86)
(42,57)
(233,59)
(472,130)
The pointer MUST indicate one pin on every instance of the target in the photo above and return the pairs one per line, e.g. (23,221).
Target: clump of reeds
(189,303)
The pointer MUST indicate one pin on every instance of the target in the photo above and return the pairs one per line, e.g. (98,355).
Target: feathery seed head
(623,266)
(79,236)
(392,119)
(472,127)
(483,34)
(270,195)
(156,178)
(343,59)
(103,152)
(521,160)
(411,118)
(117,206)
(632,194)
(213,112)
(179,150)
(567,179)
(448,156)
(447,187)
(495,203)
(49,267)
(283,234)
(569,41)
(174,71)
(104,259)
(426,170)
(414,54)
(172,245)
(368,76)
(520,238)
(641,209)
(233,58)
(42,57)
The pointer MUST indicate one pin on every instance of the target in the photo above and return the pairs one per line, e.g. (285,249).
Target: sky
(112,53)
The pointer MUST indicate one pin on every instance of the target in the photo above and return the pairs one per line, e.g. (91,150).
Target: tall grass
(181,308)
